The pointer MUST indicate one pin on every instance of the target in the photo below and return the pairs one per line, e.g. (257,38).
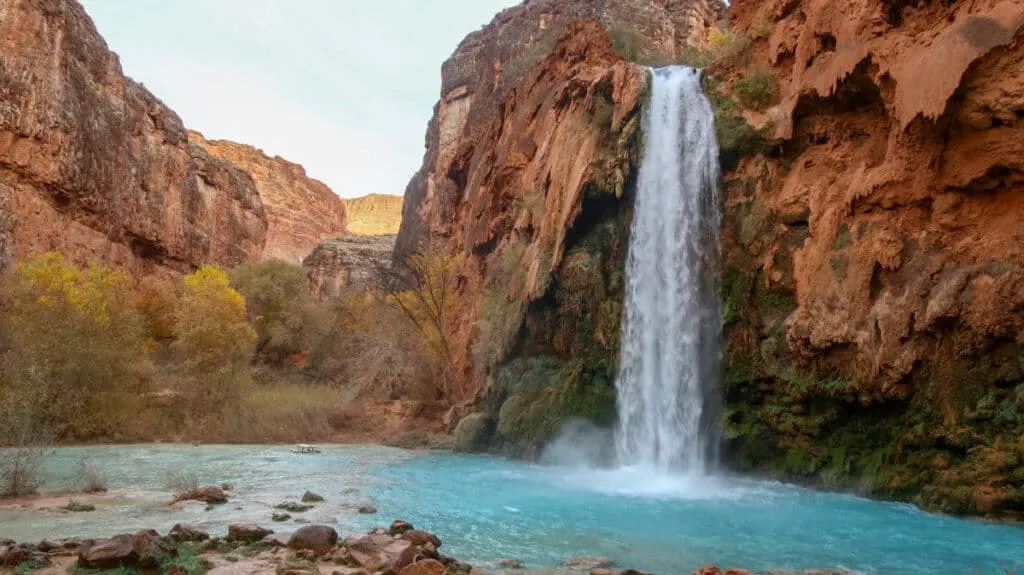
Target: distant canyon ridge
(95,166)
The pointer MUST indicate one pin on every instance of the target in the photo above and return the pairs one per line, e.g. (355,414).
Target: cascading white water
(671,333)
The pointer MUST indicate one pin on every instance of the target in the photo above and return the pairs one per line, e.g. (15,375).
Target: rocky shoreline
(400,549)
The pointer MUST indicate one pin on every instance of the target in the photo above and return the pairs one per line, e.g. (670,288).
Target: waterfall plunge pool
(484,508)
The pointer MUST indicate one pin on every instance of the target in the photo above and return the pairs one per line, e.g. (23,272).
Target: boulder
(510,563)
(473,433)
(419,537)
(279,517)
(318,538)
(310,497)
(151,550)
(45,546)
(424,567)
(109,553)
(293,507)
(183,533)
(381,552)
(367,509)
(246,532)
(398,527)
(586,562)
(600,571)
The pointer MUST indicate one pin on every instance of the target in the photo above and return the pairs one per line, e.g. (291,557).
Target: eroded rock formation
(875,257)
(301,211)
(95,166)
(347,262)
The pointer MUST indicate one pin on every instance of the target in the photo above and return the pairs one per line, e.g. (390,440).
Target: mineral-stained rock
(317,538)
(246,532)
(301,211)
(95,166)
(874,267)
(347,262)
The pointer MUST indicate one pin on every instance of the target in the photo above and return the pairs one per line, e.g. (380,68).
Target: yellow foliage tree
(70,339)
(214,340)
(425,290)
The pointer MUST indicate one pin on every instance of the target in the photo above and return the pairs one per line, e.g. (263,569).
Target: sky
(343,87)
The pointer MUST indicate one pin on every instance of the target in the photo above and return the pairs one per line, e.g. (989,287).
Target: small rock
(600,572)
(398,527)
(231,558)
(209,494)
(424,567)
(246,532)
(188,533)
(319,539)
(293,507)
(78,507)
(45,546)
(367,509)
(310,497)
(301,520)
(585,562)
(277,539)
(510,563)
(350,571)
(279,517)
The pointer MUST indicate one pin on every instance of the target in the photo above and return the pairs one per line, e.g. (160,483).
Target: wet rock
(301,520)
(585,562)
(310,497)
(318,538)
(279,517)
(424,567)
(510,563)
(600,571)
(367,509)
(399,527)
(473,433)
(183,533)
(109,553)
(419,537)
(210,494)
(246,532)
(293,507)
(715,570)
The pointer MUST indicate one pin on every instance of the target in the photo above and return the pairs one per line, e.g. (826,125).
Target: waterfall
(671,331)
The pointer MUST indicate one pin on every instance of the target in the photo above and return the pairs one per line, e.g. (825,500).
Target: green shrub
(757,89)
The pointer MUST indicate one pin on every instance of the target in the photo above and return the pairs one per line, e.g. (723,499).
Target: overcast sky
(343,87)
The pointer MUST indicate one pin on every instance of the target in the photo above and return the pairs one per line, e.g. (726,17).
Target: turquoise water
(485,508)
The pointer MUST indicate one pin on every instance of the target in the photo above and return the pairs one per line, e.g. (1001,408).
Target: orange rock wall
(95,166)
(882,234)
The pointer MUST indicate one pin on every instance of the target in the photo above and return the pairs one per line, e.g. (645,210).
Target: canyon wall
(874,273)
(301,211)
(93,165)
(374,214)
(527,177)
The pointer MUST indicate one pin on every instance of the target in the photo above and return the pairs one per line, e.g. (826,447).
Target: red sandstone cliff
(301,211)
(875,250)
(95,166)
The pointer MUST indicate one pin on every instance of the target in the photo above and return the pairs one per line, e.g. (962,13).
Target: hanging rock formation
(95,166)
(527,175)
(301,211)
(874,281)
